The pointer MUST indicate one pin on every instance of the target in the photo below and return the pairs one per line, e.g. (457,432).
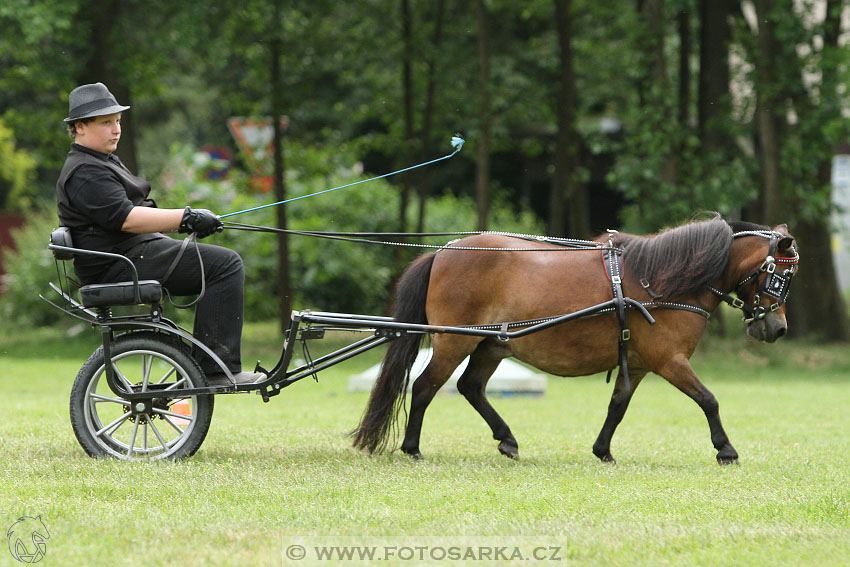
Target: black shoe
(221,379)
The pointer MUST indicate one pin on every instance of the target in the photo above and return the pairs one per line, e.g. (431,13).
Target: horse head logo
(28,539)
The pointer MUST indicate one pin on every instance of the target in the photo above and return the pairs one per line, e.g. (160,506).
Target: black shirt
(95,193)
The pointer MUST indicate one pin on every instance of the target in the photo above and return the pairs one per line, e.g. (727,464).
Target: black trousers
(219,314)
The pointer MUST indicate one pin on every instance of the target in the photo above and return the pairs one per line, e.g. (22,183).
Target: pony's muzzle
(769,328)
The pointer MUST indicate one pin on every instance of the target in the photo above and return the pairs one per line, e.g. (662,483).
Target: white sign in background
(841,218)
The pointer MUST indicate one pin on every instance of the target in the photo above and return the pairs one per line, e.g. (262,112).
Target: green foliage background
(17,173)
(186,67)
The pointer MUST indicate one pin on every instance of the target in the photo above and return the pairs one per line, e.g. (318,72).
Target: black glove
(201,222)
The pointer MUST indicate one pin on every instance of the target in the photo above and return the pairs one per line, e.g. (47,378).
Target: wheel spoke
(114,425)
(158,436)
(147,363)
(121,377)
(173,414)
(101,398)
(133,438)
(176,384)
(171,371)
(174,425)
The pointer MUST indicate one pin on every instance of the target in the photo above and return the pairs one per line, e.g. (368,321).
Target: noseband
(776,284)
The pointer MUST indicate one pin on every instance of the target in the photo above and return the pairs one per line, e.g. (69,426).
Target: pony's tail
(387,397)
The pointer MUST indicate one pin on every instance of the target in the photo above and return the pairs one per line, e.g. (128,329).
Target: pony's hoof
(508,449)
(604,454)
(413,454)
(727,456)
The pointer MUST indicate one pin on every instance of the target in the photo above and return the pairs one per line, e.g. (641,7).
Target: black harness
(776,283)
(613,266)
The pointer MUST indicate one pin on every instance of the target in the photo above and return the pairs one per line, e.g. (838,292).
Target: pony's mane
(679,262)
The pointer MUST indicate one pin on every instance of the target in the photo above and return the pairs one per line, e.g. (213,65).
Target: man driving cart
(107,209)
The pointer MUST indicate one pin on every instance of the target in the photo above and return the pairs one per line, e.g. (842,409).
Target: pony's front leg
(473,384)
(616,410)
(678,372)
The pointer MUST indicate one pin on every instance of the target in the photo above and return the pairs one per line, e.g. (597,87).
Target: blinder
(776,285)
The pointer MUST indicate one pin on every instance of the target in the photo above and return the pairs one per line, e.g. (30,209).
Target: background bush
(29,266)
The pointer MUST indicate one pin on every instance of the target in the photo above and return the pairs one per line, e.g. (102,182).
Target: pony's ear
(783,228)
(784,245)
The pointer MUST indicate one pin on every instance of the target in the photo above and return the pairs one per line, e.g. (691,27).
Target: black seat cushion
(122,293)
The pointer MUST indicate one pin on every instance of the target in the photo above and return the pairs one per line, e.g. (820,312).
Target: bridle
(776,283)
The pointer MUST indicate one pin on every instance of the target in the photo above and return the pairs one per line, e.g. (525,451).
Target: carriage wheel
(104,424)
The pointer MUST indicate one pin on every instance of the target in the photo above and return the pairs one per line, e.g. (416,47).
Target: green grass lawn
(269,475)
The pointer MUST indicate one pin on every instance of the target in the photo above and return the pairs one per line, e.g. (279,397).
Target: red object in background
(262,184)
(8,221)
(255,137)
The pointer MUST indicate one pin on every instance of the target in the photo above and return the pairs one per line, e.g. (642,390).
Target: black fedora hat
(87,101)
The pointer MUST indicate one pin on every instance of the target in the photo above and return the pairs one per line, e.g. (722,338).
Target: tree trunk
(654,88)
(482,169)
(565,183)
(768,116)
(684,24)
(653,16)
(407,103)
(818,307)
(284,290)
(428,112)
(713,106)
(100,68)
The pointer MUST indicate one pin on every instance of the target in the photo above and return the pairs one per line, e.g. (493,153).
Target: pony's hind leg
(425,387)
(473,383)
(616,410)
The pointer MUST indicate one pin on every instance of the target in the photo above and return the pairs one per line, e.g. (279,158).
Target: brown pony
(694,265)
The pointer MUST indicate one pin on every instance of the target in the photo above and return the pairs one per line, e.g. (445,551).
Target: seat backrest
(62,237)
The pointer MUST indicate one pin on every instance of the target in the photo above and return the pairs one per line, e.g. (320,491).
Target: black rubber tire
(94,407)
